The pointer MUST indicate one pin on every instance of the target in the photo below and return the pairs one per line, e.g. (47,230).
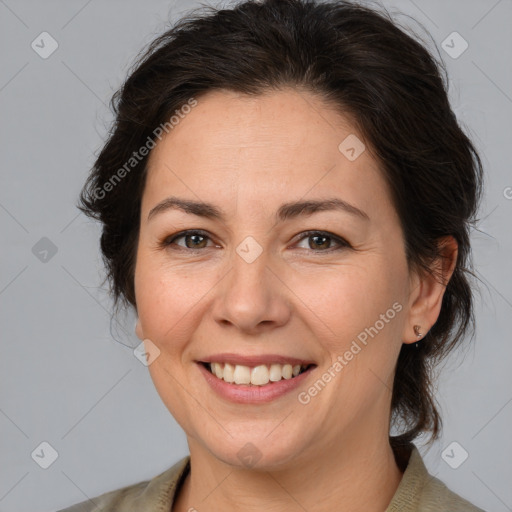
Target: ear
(428,290)
(138,330)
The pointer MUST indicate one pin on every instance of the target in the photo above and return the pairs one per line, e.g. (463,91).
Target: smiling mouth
(260,375)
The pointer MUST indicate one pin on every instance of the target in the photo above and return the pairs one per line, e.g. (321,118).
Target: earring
(418,334)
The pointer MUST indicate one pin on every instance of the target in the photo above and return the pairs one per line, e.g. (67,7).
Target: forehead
(282,144)
(226,120)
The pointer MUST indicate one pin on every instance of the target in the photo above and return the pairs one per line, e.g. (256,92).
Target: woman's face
(254,288)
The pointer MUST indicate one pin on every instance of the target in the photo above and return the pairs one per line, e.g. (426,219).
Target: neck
(360,475)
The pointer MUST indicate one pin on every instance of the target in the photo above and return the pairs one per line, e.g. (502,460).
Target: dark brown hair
(362,64)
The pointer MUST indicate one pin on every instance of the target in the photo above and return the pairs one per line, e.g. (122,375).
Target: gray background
(65,380)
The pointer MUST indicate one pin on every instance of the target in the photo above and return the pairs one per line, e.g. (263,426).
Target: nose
(252,297)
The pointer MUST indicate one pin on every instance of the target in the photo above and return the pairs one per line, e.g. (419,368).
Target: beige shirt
(418,491)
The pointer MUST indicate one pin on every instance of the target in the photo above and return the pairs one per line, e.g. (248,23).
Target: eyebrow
(286,211)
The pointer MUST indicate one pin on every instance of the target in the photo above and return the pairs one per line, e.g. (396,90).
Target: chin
(256,451)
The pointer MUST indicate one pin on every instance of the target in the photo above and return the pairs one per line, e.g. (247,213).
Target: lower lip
(244,394)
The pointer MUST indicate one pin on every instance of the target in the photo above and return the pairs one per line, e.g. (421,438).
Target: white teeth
(287,371)
(257,376)
(242,374)
(217,369)
(276,373)
(228,372)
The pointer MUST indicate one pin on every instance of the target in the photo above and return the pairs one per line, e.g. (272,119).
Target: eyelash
(342,243)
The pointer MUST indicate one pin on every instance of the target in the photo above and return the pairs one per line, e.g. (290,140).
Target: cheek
(361,312)
(168,298)
(345,300)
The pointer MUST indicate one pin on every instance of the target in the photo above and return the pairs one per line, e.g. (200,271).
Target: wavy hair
(364,65)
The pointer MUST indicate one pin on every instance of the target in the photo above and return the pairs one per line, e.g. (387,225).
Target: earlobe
(417,331)
(426,307)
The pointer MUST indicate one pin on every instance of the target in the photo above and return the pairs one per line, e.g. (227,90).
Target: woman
(286,198)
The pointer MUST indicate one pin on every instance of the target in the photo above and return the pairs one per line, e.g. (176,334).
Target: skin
(301,297)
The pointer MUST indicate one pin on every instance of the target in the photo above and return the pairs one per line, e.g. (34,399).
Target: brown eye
(321,241)
(196,241)
(193,240)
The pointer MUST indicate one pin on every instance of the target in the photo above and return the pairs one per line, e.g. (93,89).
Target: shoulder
(421,492)
(437,496)
(157,492)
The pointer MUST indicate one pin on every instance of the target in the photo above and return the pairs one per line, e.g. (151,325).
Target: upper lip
(238,359)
